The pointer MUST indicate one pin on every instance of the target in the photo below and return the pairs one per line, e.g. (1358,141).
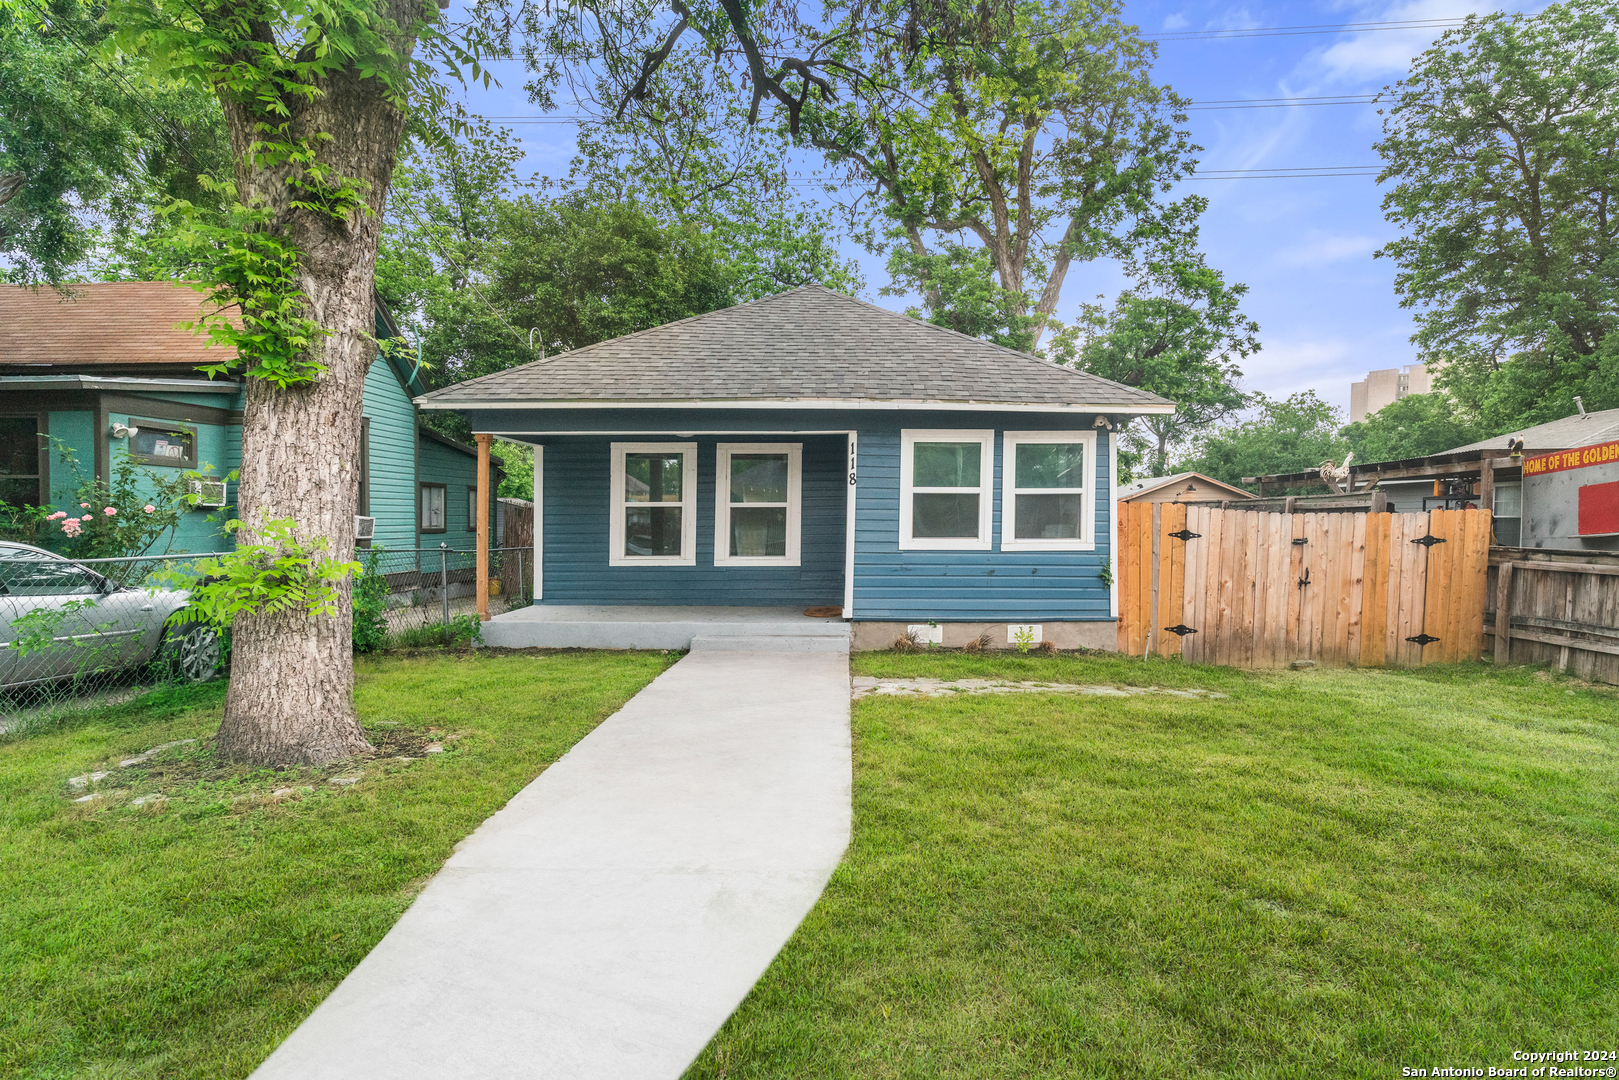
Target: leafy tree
(1503,146)
(1413,426)
(1291,435)
(1023,136)
(85,159)
(1176,331)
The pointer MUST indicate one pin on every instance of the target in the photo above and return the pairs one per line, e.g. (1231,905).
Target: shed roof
(808,347)
(1153,483)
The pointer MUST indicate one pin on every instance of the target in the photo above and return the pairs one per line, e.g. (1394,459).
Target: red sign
(1599,509)
(1578,458)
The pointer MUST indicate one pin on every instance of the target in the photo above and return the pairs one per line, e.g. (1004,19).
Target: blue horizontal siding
(576,520)
(889,585)
(976,586)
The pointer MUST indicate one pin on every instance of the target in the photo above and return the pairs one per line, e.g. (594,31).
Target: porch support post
(849,530)
(483,442)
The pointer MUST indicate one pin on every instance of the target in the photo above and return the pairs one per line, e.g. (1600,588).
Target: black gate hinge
(1185,534)
(1429,541)
(1181,630)
(1423,639)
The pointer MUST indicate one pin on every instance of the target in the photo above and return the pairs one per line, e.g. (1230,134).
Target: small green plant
(370,605)
(1107,571)
(464,630)
(1023,638)
(932,625)
(279,573)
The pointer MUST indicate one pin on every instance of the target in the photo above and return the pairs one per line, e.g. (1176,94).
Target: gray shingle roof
(810,344)
(1564,434)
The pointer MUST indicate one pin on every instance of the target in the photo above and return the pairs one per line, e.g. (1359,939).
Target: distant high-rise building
(1385,387)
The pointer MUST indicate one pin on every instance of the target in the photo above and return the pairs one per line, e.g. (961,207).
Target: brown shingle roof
(122,322)
(809,344)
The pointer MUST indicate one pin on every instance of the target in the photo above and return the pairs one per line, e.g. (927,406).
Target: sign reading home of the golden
(1578,458)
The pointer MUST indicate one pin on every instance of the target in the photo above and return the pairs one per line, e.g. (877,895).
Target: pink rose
(149,508)
(71,526)
(88,517)
(84,506)
(110,511)
(58,514)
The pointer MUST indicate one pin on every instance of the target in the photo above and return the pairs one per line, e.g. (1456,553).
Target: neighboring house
(813,450)
(76,370)
(1550,503)
(1186,487)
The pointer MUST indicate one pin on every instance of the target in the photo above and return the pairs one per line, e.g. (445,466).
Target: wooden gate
(1247,589)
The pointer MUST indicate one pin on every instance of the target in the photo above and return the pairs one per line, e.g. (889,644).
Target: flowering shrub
(120,516)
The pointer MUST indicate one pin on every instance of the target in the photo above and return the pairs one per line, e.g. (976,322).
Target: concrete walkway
(608,920)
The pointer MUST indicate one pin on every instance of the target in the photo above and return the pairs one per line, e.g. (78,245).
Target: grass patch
(187,937)
(1329,873)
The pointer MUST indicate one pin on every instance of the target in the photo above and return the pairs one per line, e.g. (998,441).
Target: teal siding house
(810,453)
(104,370)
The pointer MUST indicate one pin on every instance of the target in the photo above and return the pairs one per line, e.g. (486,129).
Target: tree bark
(290,699)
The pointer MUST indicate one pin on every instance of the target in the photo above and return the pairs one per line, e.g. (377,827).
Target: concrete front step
(818,643)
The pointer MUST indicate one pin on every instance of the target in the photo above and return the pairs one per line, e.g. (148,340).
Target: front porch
(644,626)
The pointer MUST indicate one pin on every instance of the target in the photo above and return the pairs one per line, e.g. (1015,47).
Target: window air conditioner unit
(365,528)
(208,492)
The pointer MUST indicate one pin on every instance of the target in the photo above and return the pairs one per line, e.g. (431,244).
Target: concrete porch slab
(636,626)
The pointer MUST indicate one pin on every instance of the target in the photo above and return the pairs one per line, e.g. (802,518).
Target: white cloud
(1285,367)
(1385,54)
(1177,21)
(1318,249)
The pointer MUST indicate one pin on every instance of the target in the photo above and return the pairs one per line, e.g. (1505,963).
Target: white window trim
(722,503)
(688,504)
(908,438)
(1010,440)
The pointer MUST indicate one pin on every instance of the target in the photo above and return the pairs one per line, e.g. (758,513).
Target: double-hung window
(756,505)
(947,481)
(653,505)
(1049,502)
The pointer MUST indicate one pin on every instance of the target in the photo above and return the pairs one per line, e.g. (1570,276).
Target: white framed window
(1048,494)
(654,505)
(947,482)
(757,497)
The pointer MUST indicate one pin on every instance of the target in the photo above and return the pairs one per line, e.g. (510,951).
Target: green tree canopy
(89,147)
(1414,426)
(1290,435)
(1503,149)
(1177,331)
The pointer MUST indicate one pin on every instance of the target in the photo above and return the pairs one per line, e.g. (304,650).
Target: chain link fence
(95,631)
(429,596)
(75,633)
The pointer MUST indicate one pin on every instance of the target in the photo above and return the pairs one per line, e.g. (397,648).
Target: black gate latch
(1185,534)
(1429,541)
(1180,631)
(1423,639)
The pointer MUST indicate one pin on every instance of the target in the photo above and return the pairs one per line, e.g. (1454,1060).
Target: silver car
(60,619)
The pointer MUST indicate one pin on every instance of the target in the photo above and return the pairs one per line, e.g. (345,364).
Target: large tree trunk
(292,674)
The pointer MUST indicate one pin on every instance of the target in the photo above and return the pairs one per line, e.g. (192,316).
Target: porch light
(124,431)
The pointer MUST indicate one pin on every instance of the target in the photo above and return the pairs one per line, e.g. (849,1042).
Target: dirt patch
(864,686)
(191,768)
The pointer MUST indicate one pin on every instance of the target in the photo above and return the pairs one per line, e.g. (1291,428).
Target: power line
(1283,103)
(1319,28)
(1205,35)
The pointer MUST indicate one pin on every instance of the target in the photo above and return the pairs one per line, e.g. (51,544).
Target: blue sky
(1326,309)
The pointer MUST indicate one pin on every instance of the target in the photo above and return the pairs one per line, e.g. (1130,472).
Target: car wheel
(192,651)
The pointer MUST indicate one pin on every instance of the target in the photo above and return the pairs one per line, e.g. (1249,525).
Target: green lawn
(1329,873)
(187,938)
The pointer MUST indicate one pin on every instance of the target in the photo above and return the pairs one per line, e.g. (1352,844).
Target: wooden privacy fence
(1247,589)
(1556,607)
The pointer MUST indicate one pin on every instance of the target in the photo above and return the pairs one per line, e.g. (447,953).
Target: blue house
(105,370)
(809,451)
